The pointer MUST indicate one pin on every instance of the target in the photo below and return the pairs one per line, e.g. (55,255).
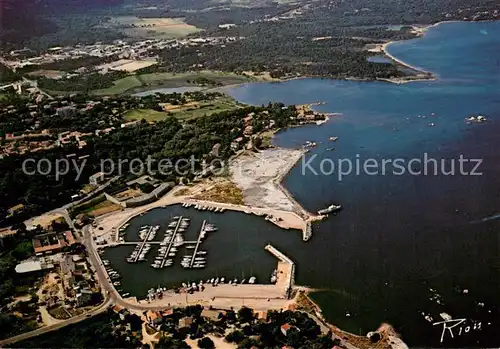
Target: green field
(120,86)
(144,82)
(187,112)
(146,114)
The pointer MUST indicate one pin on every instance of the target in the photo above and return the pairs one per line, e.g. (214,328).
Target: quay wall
(281,256)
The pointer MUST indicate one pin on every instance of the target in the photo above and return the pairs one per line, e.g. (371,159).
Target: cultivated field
(153,27)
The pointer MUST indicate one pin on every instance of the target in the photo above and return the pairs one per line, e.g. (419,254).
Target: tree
(245,315)
(206,343)
(247,343)
(235,337)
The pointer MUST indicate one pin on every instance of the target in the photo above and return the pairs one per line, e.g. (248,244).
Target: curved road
(112,296)
(96,311)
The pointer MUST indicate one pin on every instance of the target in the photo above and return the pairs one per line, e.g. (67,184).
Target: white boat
(221,280)
(212,280)
(201,252)
(252,280)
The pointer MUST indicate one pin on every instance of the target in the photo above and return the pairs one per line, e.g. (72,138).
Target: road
(103,279)
(63,210)
(96,311)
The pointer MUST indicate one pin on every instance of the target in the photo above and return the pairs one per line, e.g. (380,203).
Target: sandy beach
(257,174)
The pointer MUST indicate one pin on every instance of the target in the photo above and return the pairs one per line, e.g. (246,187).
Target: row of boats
(216,281)
(198,260)
(146,233)
(115,277)
(139,253)
(195,286)
(173,239)
(203,207)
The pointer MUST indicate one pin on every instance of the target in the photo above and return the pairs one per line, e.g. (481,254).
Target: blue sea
(405,248)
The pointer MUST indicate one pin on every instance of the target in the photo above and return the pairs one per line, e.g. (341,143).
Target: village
(120,55)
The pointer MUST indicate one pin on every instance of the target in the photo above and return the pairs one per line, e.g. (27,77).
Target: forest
(45,23)
(99,331)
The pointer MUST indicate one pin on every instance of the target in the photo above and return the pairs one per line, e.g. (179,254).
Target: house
(48,243)
(248,119)
(130,124)
(248,131)
(261,315)
(213,315)
(84,297)
(285,328)
(215,149)
(96,178)
(15,210)
(185,321)
(70,239)
(168,312)
(155,318)
(33,266)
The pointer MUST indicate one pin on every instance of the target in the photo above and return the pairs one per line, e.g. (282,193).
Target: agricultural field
(144,82)
(164,28)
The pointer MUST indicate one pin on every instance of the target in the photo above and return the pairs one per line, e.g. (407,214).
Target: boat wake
(486,219)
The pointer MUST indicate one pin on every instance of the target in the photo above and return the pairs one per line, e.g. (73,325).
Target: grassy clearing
(227,193)
(184,112)
(146,114)
(267,138)
(102,208)
(145,82)
(120,86)
(166,28)
(205,108)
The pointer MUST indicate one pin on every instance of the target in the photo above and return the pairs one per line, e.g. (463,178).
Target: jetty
(307,232)
(142,243)
(171,242)
(198,242)
(285,270)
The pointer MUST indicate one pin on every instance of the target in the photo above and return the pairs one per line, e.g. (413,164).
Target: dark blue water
(379,59)
(400,236)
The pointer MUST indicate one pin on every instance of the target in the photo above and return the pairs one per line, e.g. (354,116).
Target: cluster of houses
(77,280)
(36,139)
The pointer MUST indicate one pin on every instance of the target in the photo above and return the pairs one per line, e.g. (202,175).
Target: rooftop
(30,266)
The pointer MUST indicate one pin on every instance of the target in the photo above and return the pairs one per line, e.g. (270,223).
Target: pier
(286,268)
(142,244)
(197,243)
(171,242)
